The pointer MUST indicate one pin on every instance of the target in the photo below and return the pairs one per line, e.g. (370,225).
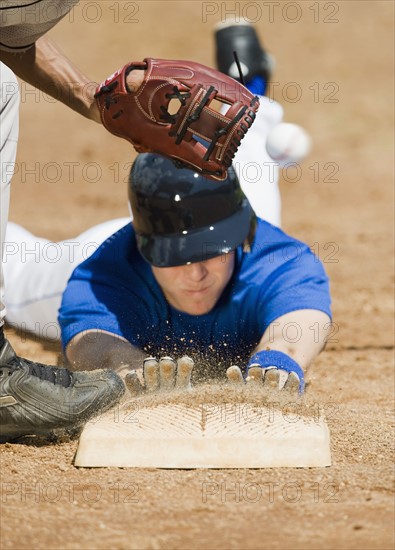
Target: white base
(209,436)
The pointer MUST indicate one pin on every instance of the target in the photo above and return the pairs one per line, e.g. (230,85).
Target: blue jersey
(115,290)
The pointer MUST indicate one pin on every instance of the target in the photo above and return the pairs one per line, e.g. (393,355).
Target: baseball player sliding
(133,103)
(196,273)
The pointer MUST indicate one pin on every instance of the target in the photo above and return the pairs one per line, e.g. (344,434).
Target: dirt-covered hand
(162,375)
(269,378)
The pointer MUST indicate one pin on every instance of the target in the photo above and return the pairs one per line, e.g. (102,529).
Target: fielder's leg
(35,398)
(9,128)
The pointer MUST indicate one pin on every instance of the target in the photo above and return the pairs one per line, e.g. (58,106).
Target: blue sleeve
(298,284)
(110,292)
(81,310)
(289,277)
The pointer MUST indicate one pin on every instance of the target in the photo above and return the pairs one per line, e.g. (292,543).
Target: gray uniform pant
(9,127)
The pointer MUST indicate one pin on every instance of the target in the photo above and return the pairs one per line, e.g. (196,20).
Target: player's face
(195,288)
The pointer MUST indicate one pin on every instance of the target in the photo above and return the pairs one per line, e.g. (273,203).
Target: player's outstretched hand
(171,108)
(268,378)
(162,375)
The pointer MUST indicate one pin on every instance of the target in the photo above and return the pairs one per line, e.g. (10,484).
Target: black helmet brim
(197,245)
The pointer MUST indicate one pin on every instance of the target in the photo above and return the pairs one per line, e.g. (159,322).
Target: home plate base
(229,435)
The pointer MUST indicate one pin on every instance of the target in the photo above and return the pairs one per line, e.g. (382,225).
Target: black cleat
(241,37)
(36,399)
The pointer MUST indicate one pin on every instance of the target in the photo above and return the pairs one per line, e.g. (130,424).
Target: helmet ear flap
(130,189)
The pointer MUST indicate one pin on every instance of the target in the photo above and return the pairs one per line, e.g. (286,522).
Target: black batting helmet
(181,217)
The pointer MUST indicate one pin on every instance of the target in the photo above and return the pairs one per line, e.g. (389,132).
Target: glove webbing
(195,116)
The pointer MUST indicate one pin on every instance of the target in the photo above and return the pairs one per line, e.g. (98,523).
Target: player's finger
(255,376)
(133,383)
(167,373)
(184,372)
(151,374)
(292,383)
(234,375)
(271,380)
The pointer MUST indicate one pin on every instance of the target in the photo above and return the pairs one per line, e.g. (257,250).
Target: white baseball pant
(258,173)
(42,269)
(9,127)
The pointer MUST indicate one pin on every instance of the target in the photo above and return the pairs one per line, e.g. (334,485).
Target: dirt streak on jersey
(23,22)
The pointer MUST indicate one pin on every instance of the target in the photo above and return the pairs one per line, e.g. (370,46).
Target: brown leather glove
(196,134)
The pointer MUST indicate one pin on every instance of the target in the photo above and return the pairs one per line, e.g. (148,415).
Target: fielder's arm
(45,67)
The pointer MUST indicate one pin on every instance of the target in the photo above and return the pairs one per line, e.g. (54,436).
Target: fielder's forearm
(46,68)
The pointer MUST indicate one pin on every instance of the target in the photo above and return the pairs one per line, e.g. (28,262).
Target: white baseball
(288,143)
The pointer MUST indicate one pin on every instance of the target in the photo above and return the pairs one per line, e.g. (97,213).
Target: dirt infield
(335,77)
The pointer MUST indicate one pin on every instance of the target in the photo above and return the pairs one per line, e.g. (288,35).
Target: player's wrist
(278,360)
(91,106)
(94,113)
